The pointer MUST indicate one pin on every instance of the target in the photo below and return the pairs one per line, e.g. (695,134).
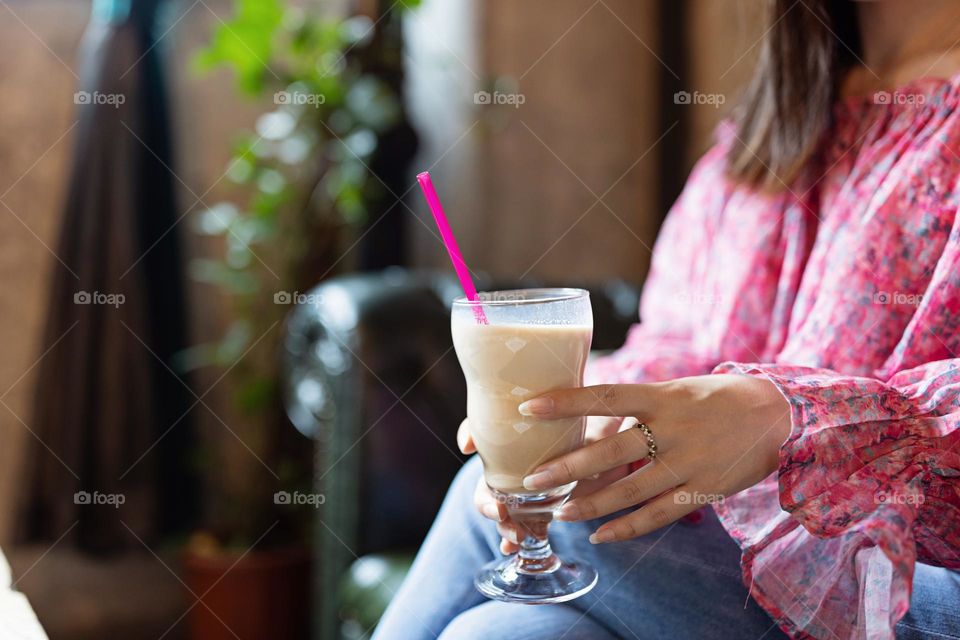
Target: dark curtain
(384,236)
(110,416)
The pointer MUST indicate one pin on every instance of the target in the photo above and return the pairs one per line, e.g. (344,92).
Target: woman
(801,317)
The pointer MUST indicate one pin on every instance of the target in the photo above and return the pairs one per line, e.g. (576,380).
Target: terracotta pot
(263,595)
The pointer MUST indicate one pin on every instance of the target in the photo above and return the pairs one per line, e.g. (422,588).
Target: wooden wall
(524,182)
(37,45)
(521,184)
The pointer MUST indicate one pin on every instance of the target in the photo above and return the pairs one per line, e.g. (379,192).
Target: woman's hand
(716,435)
(490,507)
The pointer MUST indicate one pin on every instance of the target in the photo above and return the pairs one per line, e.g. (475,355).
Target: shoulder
(710,193)
(708,181)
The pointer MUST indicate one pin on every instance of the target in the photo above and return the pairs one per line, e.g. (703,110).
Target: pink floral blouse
(844,290)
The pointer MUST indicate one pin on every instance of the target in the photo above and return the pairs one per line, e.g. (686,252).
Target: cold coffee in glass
(520,344)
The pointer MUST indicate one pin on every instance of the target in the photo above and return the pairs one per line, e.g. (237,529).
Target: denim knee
(472,624)
(465,483)
(502,621)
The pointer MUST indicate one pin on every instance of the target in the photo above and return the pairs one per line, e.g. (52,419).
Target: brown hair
(787,106)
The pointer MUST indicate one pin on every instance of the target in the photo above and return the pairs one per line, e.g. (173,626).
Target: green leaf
(196,357)
(245,43)
(266,206)
(221,275)
(256,395)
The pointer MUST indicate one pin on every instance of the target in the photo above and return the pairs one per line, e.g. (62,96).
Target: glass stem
(535,555)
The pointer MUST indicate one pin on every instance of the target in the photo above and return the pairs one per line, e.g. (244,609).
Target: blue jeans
(682,581)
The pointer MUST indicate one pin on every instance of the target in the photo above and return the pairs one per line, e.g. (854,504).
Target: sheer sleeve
(870,465)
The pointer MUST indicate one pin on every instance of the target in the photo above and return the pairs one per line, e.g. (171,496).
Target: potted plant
(303,188)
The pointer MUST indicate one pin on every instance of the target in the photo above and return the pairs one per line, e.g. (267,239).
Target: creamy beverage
(513,346)
(505,365)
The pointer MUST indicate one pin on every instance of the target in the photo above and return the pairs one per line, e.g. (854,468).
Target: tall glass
(524,343)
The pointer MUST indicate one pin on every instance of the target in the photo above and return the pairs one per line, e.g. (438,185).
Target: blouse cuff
(865,470)
(868,463)
(859,444)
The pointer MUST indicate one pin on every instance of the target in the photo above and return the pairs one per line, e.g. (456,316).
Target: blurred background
(228,394)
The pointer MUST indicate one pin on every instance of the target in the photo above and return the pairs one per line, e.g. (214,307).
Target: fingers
(487,505)
(592,485)
(658,513)
(647,483)
(491,508)
(464,440)
(585,462)
(511,537)
(599,400)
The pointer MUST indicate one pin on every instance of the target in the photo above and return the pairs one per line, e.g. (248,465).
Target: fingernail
(601,536)
(460,443)
(569,511)
(538,480)
(513,536)
(491,511)
(536,407)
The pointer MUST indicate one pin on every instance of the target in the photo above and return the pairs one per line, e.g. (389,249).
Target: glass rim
(516,297)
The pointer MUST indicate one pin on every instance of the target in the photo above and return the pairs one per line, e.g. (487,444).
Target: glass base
(505,580)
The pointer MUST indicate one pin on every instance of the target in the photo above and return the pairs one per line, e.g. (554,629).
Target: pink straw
(450,242)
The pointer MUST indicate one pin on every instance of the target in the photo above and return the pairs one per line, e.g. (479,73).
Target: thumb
(464,439)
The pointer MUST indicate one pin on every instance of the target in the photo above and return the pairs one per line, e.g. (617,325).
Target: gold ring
(651,442)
